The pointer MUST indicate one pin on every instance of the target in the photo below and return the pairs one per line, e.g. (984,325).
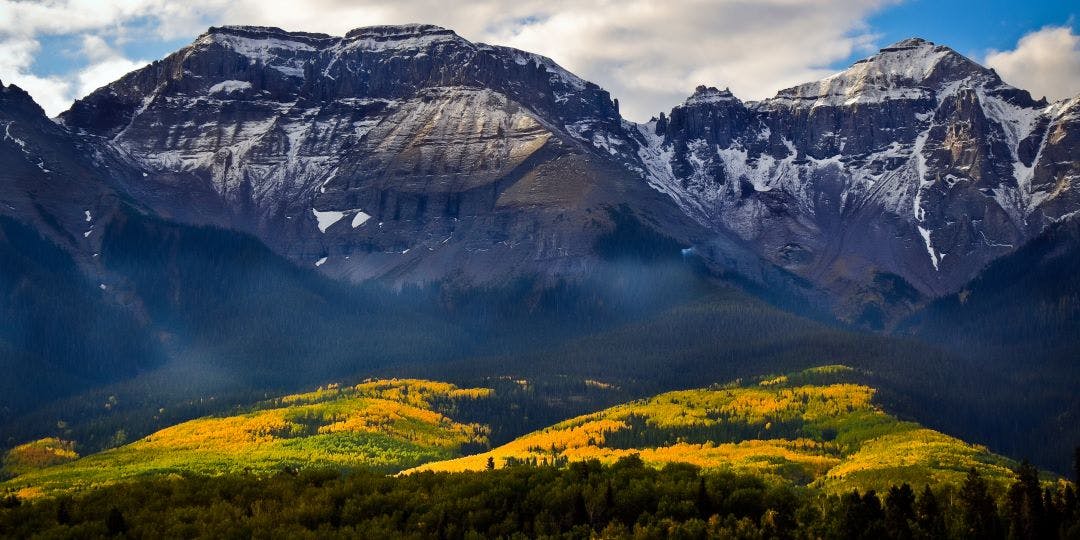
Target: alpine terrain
(188,252)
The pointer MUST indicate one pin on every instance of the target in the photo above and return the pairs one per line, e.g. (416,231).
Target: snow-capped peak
(709,94)
(910,69)
(405,36)
(909,43)
(217,33)
(397,32)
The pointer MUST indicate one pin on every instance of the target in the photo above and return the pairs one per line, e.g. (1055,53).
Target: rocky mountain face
(401,152)
(409,154)
(916,163)
(66,187)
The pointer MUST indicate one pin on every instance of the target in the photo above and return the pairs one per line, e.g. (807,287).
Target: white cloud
(1046,62)
(649,53)
(54,17)
(103,72)
(16,56)
(23,24)
(106,65)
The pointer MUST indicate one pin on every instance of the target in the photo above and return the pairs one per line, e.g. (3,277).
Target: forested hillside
(626,499)
(815,427)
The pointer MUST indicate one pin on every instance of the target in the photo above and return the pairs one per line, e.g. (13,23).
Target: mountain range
(276,187)
(410,154)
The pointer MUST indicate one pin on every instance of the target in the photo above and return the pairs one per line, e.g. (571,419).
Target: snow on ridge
(896,72)
(23,147)
(704,95)
(275,52)
(1017,123)
(600,138)
(258,47)
(405,41)
(558,72)
(658,173)
(934,258)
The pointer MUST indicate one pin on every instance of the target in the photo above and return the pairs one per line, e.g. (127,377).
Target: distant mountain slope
(380,425)
(1021,318)
(62,326)
(1026,303)
(59,333)
(97,289)
(808,428)
(63,185)
(193,231)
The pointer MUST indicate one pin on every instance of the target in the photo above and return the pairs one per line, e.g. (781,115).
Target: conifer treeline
(581,500)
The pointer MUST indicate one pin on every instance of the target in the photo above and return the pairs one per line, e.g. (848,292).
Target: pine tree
(1025,508)
(979,517)
(1051,517)
(928,515)
(63,513)
(115,522)
(1069,504)
(1070,513)
(861,517)
(899,511)
(1076,466)
(875,515)
(703,504)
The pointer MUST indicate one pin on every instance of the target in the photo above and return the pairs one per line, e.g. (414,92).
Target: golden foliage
(38,454)
(845,439)
(387,425)
(398,408)
(929,453)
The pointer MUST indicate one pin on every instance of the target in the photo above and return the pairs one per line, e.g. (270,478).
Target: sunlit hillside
(387,425)
(36,455)
(814,427)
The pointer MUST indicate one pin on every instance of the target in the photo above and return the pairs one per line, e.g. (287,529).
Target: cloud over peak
(1045,62)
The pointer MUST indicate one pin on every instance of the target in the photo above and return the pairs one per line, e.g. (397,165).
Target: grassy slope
(382,425)
(813,427)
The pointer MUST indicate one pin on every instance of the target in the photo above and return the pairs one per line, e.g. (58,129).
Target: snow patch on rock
(228,87)
(327,219)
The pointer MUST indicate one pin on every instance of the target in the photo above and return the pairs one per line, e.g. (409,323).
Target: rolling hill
(386,425)
(816,427)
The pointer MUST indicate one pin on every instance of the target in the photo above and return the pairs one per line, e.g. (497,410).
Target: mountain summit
(915,163)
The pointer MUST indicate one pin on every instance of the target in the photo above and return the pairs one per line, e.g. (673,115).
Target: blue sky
(648,53)
(972,28)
